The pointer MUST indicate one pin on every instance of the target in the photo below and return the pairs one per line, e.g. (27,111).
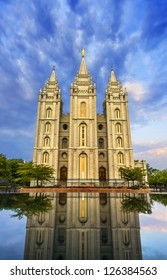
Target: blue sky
(130,36)
(154,233)
(12,236)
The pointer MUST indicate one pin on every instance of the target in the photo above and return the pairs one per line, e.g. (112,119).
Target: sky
(130,36)
(12,236)
(154,233)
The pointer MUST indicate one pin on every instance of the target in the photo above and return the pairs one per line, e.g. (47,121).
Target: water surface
(83,226)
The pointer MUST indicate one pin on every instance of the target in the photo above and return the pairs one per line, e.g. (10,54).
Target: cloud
(35,35)
(137,90)
(27,132)
(154,152)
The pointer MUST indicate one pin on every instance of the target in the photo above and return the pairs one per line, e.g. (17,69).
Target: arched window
(41,218)
(39,237)
(103,200)
(46,142)
(117,113)
(63,173)
(119,142)
(83,135)
(124,217)
(45,157)
(83,109)
(102,174)
(120,158)
(62,201)
(49,113)
(47,127)
(64,143)
(101,143)
(118,128)
(126,237)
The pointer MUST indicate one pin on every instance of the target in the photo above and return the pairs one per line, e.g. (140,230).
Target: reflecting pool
(83,226)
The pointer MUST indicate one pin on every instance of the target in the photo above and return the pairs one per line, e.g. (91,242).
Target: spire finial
(83,52)
(83,69)
(112,76)
(53,76)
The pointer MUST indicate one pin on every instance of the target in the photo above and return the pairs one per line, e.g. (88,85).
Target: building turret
(47,128)
(120,151)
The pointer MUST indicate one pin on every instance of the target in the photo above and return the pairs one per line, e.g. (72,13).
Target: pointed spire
(83,69)
(53,75)
(113,77)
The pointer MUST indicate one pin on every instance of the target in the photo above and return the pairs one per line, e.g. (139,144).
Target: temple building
(83,147)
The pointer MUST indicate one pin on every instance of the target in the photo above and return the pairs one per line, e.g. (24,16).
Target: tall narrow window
(126,237)
(118,128)
(83,166)
(102,174)
(47,127)
(63,196)
(120,158)
(41,218)
(83,135)
(117,113)
(49,113)
(46,142)
(83,109)
(103,200)
(63,173)
(39,237)
(119,142)
(101,143)
(45,157)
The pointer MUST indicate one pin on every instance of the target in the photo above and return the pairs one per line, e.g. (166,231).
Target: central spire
(83,69)
(53,75)
(112,76)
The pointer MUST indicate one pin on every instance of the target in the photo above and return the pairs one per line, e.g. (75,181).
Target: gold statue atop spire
(83,52)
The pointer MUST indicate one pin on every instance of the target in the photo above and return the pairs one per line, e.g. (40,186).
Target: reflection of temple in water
(86,226)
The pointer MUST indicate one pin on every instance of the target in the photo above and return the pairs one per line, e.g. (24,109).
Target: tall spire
(113,77)
(53,75)
(83,69)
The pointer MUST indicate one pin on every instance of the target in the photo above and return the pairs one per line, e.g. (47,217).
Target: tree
(132,174)
(136,203)
(25,173)
(42,173)
(4,170)
(161,198)
(158,179)
(34,172)
(25,205)
(14,165)
(151,170)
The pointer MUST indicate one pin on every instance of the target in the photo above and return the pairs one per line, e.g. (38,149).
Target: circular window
(65,126)
(100,126)
(101,155)
(64,155)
